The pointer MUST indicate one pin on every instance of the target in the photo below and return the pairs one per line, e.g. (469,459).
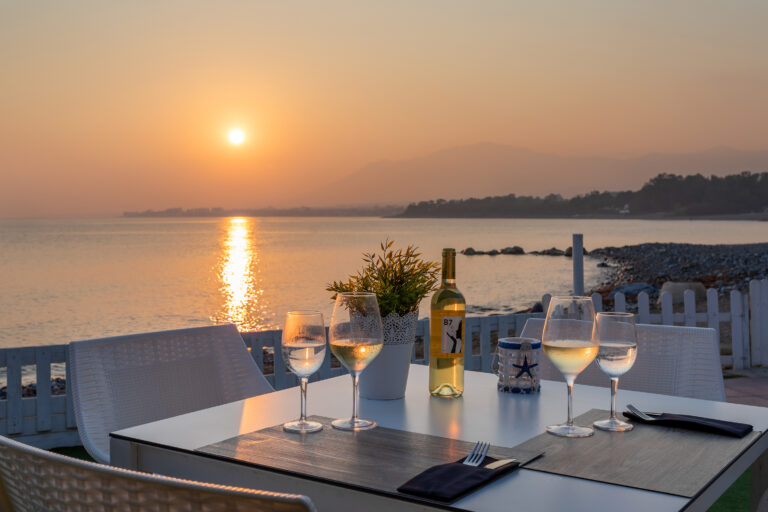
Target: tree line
(668,194)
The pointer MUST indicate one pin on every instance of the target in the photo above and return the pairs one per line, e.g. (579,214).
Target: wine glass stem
(614,388)
(569,383)
(354,397)
(303,382)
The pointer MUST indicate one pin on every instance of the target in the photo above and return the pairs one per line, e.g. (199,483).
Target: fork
(477,455)
(640,414)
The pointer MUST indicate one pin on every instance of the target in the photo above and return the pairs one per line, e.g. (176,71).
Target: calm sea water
(69,279)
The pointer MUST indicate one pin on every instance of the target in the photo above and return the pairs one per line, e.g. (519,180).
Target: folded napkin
(448,482)
(728,428)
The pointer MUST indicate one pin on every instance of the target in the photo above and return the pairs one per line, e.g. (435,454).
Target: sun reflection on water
(238,273)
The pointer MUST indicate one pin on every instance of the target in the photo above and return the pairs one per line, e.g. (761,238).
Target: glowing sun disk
(236,136)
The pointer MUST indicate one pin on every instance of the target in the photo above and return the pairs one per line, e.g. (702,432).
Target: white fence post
(545,302)
(643,308)
(740,356)
(426,333)
(597,300)
(755,332)
(485,344)
(745,328)
(689,304)
(762,313)
(619,303)
(713,313)
(667,309)
(578,263)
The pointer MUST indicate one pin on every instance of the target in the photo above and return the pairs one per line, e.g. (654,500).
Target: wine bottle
(447,329)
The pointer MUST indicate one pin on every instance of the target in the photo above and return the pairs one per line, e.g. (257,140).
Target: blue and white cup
(518,365)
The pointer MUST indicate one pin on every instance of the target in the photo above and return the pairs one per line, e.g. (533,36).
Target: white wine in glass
(356,356)
(356,337)
(567,341)
(617,335)
(303,351)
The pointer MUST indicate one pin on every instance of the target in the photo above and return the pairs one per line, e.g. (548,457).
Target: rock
(493,252)
(513,250)
(603,264)
(569,251)
(677,290)
(537,308)
(552,252)
(469,251)
(632,290)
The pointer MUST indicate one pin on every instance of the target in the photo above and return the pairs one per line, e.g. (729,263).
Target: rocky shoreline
(517,250)
(632,269)
(723,267)
(58,387)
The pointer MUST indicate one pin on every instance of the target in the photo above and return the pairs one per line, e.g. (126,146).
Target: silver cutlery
(640,414)
(477,455)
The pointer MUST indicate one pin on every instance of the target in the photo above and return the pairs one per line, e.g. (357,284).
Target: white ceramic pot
(387,376)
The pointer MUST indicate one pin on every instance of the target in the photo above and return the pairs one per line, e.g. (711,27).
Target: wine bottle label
(451,342)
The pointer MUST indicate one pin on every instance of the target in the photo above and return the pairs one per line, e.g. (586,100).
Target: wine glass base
(613,425)
(570,430)
(353,425)
(302,427)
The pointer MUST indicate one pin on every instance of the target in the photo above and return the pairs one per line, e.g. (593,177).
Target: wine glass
(356,338)
(303,352)
(567,341)
(617,336)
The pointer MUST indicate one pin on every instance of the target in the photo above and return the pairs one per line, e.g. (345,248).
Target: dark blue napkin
(727,428)
(448,482)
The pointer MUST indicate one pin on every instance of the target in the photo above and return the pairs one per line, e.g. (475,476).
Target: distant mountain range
(481,170)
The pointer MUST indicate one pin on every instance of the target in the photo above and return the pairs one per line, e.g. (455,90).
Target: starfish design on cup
(525,367)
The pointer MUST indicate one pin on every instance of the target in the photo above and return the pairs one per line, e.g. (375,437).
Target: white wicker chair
(671,360)
(129,380)
(34,480)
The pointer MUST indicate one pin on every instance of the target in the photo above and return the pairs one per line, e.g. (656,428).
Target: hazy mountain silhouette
(485,169)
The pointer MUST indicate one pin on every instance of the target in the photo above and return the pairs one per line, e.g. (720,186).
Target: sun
(236,136)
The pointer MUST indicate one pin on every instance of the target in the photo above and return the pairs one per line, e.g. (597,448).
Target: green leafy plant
(399,278)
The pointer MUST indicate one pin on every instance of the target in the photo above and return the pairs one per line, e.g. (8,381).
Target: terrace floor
(748,387)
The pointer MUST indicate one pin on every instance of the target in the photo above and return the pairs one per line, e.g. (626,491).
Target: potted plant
(400,279)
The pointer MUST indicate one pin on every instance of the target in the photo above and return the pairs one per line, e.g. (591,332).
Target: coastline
(723,266)
(756,216)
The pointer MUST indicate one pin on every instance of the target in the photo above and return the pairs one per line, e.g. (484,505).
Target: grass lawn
(77,452)
(735,499)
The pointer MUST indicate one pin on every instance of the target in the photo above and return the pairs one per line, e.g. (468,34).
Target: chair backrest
(129,380)
(671,360)
(33,480)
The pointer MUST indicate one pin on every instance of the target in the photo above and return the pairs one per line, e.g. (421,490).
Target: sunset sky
(113,106)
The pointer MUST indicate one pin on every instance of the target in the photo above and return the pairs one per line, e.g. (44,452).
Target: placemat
(380,460)
(654,458)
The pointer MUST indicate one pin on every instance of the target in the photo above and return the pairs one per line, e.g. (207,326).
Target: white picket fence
(47,420)
(711,317)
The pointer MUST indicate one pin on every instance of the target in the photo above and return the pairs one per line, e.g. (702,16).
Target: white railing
(482,329)
(712,317)
(44,420)
(47,420)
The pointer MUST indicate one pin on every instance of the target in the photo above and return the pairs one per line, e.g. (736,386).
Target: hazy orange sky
(113,106)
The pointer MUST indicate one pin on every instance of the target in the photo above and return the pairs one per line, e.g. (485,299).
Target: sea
(73,279)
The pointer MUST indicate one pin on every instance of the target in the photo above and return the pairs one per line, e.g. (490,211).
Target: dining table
(173,446)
